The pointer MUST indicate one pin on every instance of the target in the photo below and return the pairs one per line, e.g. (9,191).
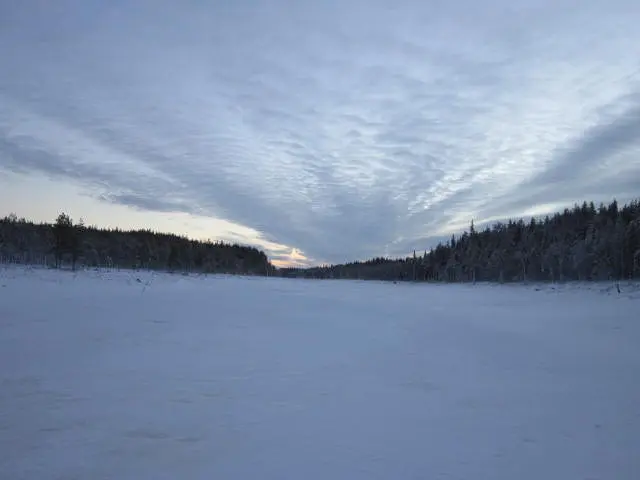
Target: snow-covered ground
(140,376)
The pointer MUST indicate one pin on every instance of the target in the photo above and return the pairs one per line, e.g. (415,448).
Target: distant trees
(64,242)
(583,243)
(67,239)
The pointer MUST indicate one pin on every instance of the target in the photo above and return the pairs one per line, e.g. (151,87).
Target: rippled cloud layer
(328,131)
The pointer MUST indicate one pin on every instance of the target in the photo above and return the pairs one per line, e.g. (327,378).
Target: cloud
(593,148)
(602,162)
(331,131)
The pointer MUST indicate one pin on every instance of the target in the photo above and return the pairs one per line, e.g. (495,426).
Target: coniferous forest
(67,244)
(585,243)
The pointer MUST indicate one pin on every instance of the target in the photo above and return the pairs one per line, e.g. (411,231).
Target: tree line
(65,243)
(585,243)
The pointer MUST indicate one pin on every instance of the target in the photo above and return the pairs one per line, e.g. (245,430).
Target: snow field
(129,375)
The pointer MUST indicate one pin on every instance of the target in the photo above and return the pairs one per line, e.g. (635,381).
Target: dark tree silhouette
(67,239)
(25,242)
(584,243)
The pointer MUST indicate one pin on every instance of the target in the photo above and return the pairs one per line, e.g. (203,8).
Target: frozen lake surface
(135,376)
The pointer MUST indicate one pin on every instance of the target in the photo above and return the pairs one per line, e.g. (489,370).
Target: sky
(321,132)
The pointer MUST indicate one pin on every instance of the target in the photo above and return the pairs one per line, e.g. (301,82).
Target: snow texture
(127,375)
